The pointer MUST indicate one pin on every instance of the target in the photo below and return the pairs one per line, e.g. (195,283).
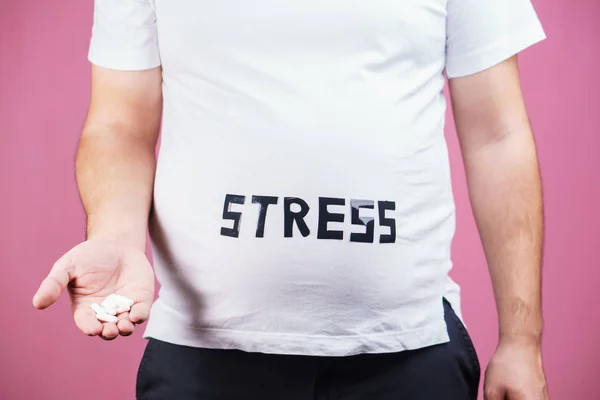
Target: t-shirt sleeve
(483,33)
(124,35)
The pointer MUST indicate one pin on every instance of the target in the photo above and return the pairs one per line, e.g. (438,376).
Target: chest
(296,29)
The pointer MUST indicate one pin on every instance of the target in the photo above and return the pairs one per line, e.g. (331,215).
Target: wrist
(524,339)
(520,321)
(123,227)
(119,238)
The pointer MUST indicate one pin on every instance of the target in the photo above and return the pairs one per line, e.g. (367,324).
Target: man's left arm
(504,184)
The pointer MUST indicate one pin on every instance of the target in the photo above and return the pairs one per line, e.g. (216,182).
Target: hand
(515,372)
(93,270)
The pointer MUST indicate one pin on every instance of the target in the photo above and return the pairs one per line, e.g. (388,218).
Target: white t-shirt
(303,202)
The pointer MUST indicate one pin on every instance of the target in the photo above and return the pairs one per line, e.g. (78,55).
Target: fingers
(109,331)
(51,287)
(124,325)
(139,313)
(86,321)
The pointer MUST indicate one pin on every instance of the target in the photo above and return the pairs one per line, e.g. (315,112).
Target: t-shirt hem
(482,59)
(131,61)
(165,326)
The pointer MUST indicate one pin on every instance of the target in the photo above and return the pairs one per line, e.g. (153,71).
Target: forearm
(505,191)
(115,174)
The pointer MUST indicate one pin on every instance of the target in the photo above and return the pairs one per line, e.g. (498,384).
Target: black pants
(448,371)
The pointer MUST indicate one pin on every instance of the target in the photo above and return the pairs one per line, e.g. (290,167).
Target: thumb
(494,394)
(56,281)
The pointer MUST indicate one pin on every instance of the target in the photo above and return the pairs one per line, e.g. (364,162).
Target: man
(301,211)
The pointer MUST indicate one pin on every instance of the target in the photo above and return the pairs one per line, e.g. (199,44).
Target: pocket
(142,375)
(466,340)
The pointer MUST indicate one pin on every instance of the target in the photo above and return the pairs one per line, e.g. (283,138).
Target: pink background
(44,88)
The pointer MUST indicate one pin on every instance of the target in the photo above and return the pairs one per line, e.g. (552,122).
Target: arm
(115,172)
(504,184)
(116,157)
(505,190)
(115,169)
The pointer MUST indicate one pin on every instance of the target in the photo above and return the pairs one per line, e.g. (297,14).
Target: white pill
(106,318)
(98,309)
(121,308)
(113,300)
(117,303)
(109,302)
(123,299)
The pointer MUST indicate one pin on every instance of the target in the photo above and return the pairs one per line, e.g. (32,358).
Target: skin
(115,172)
(504,185)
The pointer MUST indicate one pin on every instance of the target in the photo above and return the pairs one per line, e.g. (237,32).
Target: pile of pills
(112,306)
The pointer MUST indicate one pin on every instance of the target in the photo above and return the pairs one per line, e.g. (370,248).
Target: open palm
(93,270)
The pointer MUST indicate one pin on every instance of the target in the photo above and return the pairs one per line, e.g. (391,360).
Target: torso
(327,111)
